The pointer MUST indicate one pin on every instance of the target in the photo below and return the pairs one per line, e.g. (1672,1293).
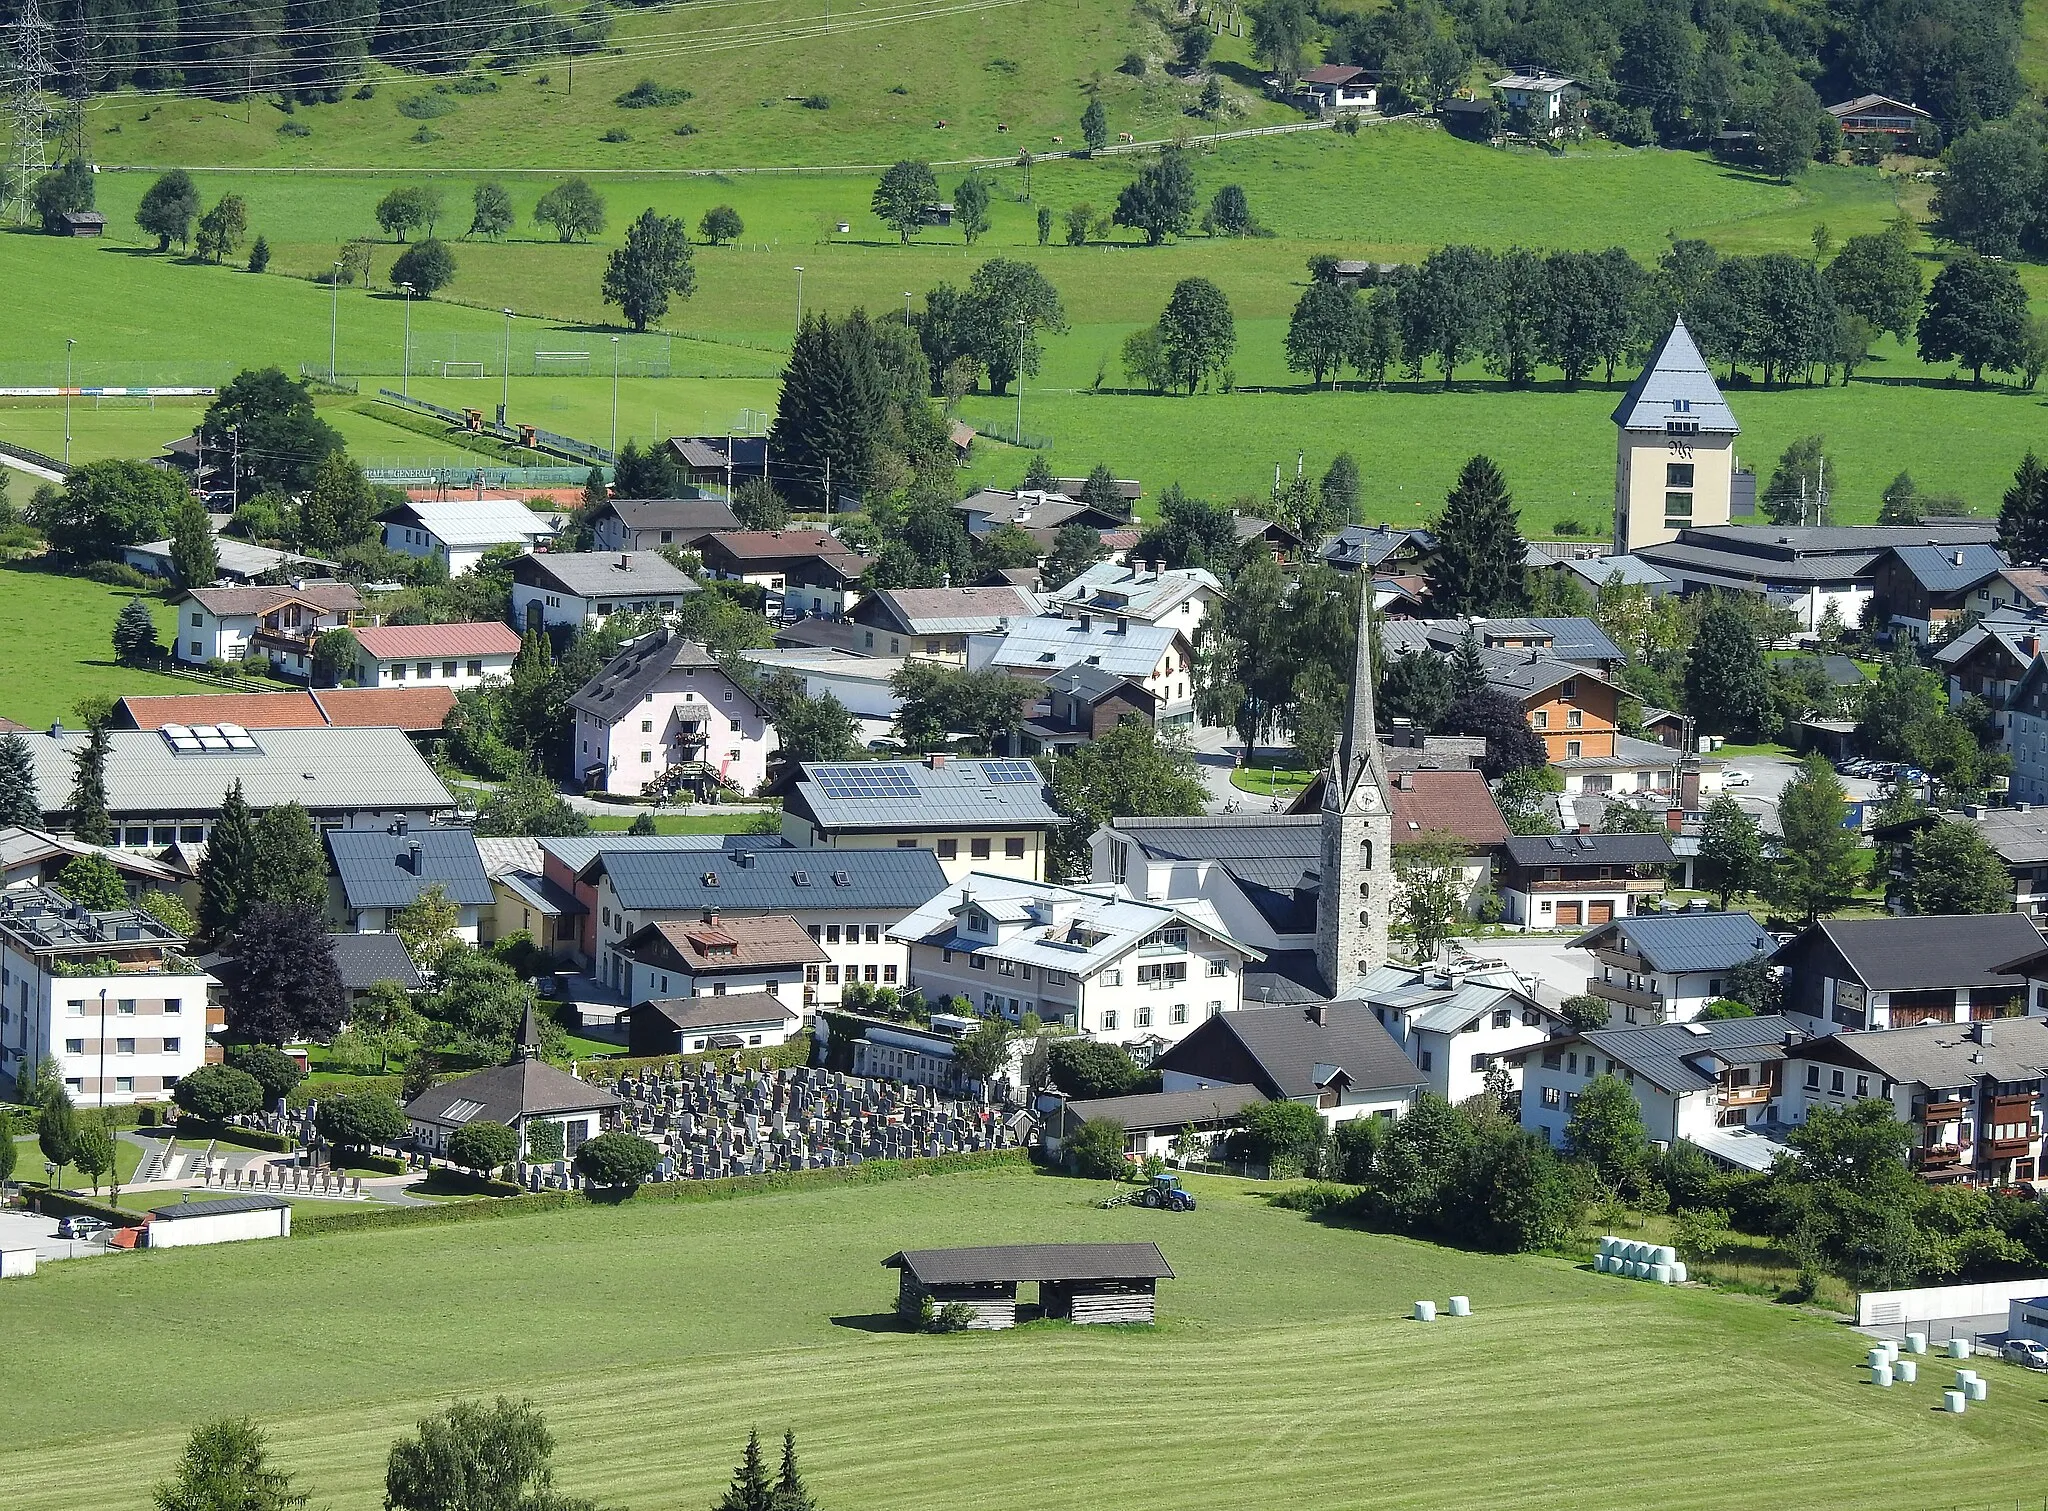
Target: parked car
(2026,1352)
(82,1227)
(1735,779)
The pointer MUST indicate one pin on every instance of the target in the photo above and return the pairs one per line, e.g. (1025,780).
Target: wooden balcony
(1614,991)
(2017,1109)
(1746,1096)
(1939,1157)
(2005,1148)
(1944,1112)
(1633,885)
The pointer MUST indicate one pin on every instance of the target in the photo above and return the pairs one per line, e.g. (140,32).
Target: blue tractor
(1168,1194)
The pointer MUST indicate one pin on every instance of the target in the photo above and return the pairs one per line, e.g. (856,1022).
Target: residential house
(379,871)
(1990,661)
(1127,489)
(974,815)
(845,903)
(36,858)
(932,624)
(1803,569)
(1337,1057)
(1971,1092)
(800,571)
(1541,99)
(2018,836)
(1081,705)
(723,462)
(1115,970)
(713,955)
(1846,974)
(231,624)
(1158,657)
(695,1025)
(1574,640)
(1379,549)
(1595,573)
(1569,881)
(1916,588)
(1275,539)
(521,1095)
(460,531)
(440,655)
(1457,1024)
(576,588)
(648,524)
(864,684)
(1666,967)
(416,710)
(1871,115)
(1144,592)
(1454,805)
(1338,88)
(367,961)
(1155,1123)
(1675,463)
(881,1050)
(110,995)
(1039,513)
(164,787)
(237,561)
(1716,1083)
(1258,873)
(663,716)
(2025,730)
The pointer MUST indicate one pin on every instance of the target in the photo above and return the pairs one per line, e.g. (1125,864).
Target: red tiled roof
(728,943)
(1447,802)
(392,642)
(409,708)
(414,709)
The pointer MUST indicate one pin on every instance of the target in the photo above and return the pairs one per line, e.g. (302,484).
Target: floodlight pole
(69,342)
(405,379)
(333,319)
(799,299)
(505,396)
(615,396)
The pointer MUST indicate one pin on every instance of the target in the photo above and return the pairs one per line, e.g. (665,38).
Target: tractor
(1168,1193)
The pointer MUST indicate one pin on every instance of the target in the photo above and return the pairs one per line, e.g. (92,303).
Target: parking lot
(21,1230)
(1768,776)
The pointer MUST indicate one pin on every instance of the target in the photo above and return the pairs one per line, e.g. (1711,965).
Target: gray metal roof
(379,869)
(957,795)
(1167,1109)
(1046,645)
(1950,569)
(1589,849)
(1296,1054)
(224,1207)
(477,521)
(773,881)
(1676,1056)
(577,851)
(1687,941)
(1369,545)
(2020,636)
(1675,385)
(1109,587)
(1924,953)
(604,574)
(706,1014)
(366,959)
(1219,837)
(1443,1004)
(1578,639)
(1946,1055)
(955,611)
(1598,570)
(699,514)
(638,670)
(1026,1262)
(326,770)
(507,1093)
(2021,839)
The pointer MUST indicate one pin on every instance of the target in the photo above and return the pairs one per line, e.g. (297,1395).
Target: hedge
(127,1115)
(54,1203)
(873,1172)
(192,1129)
(388,1164)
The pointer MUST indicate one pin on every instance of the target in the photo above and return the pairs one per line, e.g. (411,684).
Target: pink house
(661,712)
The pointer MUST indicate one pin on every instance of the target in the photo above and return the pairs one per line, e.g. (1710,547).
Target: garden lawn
(1283,1367)
(56,646)
(28,1163)
(719,821)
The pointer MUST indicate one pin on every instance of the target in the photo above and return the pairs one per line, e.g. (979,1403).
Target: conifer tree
(2023,513)
(89,820)
(19,802)
(291,863)
(1468,667)
(227,874)
(790,1491)
(1480,546)
(751,1489)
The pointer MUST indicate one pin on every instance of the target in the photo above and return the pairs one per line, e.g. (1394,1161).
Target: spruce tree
(1479,546)
(2023,513)
(291,863)
(1340,488)
(19,802)
(135,638)
(1727,686)
(227,874)
(1468,667)
(89,820)
(751,1489)
(790,1491)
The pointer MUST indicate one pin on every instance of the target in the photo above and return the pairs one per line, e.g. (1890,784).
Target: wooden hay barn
(1078,1282)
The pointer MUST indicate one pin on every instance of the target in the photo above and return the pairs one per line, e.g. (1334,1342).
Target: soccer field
(1284,1372)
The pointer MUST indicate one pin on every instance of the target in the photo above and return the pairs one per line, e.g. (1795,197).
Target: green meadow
(58,638)
(654,1335)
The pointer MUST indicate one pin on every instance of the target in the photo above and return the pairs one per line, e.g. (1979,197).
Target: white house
(1714,1083)
(648,524)
(662,711)
(1544,98)
(1257,872)
(379,871)
(434,655)
(1339,87)
(745,1019)
(976,816)
(1456,1025)
(1119,972)
(862,684)
(1181,598)
(227,624)
(800,572)
(1156,1122)
(110,996)
(1666,967)
(715,956)
(1158,657)
(575,588)
(1334,1056)
(460,530)
(1846,974)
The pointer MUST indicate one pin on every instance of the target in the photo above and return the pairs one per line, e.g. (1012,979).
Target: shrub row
(193,1130)
(54,1203)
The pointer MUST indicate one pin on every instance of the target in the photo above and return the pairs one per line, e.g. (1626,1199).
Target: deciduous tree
(905,193)
(1197,334)
(1976,316)
(490,210)
(168,208)
(1726,684)
(290,988)
(429,266)
(970,207)
(1129,772)
(572,209)
(721,223)
(1731,858)
(1322,330)
(216,1093)
(652,266)
(92,882)
(1816,863)
(1955,871)
(1160,201)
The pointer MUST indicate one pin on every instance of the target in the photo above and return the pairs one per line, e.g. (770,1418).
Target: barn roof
(1010,1263)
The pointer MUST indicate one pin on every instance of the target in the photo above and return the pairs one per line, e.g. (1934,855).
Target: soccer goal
(460,369)
(560,362)
(124,401)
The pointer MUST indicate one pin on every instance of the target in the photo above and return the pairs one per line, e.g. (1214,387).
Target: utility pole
(615,396)
(1022,326)
(799,299)
(505,399)
(28,157)
(235,468)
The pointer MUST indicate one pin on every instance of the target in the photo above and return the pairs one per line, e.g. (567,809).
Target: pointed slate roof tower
(1357,874)
(1675,465)
(1676,375)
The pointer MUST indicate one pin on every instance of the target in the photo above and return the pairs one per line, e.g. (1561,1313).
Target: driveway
(21,1230)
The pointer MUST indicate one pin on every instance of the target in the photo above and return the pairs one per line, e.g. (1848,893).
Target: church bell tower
(1357,894)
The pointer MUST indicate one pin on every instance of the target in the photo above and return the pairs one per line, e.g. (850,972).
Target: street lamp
(906,309)
(1022,325)
(505,399)
(405,380)
(103,1047)
(333,318)
(799,298)
(615,396)
(69,342)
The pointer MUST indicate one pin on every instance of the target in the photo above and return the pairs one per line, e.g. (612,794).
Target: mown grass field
(1284,1373)
(56,646)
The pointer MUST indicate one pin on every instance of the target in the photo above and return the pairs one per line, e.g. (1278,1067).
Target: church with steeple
(1355,893)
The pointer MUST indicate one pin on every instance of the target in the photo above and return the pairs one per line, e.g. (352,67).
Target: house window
(977,849)
(1550,1097)
(888,975)
(647,726)
(124,1083)
(1478,1064)
(171,1046)
(949,849)
(1531,1018)
(976,963)
(1143,1017)
(1678,474)
(949,956)
(831,975)
(1109,1020)
(646,758)
(124,1046)
(1835,1082)
(1572,749)
(1112,978)
(1863,1086)
(874,932)
(1180,1012)
(831,933)
(1574,719)
(74,1046)
(448,669)
(1007,967)
(1813,1077)
(1504,1018)
(424,670)
(811,971)
(1218,968)
(1013,849)
(1424,1059)
(398,671)
(125,1006)
(867,973)
(1540,719)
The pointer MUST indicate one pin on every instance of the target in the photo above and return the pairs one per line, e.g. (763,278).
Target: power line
(29,159)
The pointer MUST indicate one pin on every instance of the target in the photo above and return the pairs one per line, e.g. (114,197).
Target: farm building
(1078,1282)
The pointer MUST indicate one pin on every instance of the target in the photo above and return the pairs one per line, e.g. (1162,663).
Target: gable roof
(1917,953)
(911,795)
(1258,836)
(759,549)
(379,869)
(1445,802)
(1530,850)
(937,611)
(1675,382)
(366,959)
(724,943)
(766,878)
(1950,569)
(1166,1109)
(1867,104)
(1369,545)
(1435,1002)
(507,1093)
(1297,1056)
(1060,928)
(413,709)
(637,670)
(475,521)
(1039,646)
(397,642)
(710,1014)
(226,603)
(1679,1057)
(1597,570)
(1108,587)
(706,515)
(1686,941)
(1944,1055)
(603,574)
(1026,1262)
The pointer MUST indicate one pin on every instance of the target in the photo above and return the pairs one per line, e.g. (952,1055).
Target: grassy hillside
(891,70)
(667,1331)
(57,633)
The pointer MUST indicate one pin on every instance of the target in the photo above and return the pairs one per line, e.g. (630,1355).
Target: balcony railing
(1939,1156)
(1945,1112)
(1745,1096)
(1627,996)
(2006,1148)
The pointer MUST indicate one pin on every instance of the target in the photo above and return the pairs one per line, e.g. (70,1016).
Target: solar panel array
(881,780)
(190,738)
(1005,773)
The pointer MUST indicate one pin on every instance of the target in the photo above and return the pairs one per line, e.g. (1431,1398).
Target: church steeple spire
(1355,894)
(1359,751)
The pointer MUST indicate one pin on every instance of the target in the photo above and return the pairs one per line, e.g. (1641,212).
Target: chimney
(1674,820)
(1316,1014)
(1086,621)
(1791,1040)
(1975,1034)
(936,760)
(1123,625)
(710,915)
(746,860)
(625,562)
(412,857)
(2031,645)
(1404,780)
(400,824)
(1957,558)
(56,729)
(1585,829)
